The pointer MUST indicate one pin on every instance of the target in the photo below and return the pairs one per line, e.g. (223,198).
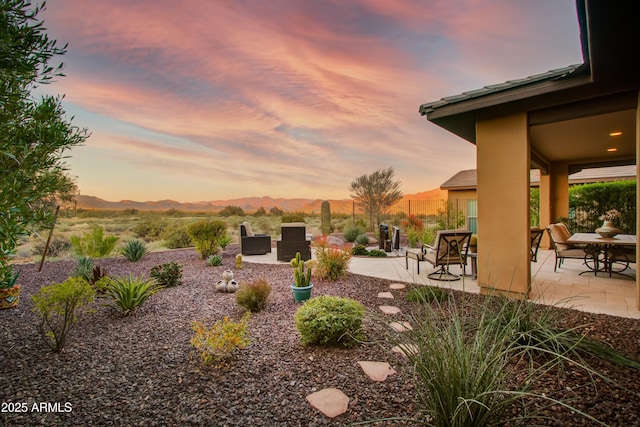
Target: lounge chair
(559,234)
(253,244)
(536,237)
(294,239)
(450,248)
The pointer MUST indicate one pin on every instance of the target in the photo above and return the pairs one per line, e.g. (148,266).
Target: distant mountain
(249,204)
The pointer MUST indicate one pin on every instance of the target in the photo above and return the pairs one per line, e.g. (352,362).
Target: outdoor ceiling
(585,140)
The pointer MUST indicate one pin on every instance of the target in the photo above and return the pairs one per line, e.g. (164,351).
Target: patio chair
(253,244)
(536,238)
(619,258)
(450,248)
(293,240)
(559,234)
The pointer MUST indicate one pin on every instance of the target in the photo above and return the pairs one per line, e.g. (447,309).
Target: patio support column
(503,205)
(559,190)
(637,197)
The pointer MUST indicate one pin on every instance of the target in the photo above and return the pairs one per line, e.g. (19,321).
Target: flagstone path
(332,401)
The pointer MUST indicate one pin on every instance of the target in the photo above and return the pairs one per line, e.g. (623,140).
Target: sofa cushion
(560,235)
(247,228)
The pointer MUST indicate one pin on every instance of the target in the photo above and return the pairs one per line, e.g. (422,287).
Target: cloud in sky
(201,100)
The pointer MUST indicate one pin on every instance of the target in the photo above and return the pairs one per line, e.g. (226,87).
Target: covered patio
(561,121)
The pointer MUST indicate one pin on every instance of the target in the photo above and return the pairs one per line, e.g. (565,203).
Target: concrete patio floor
(565,288)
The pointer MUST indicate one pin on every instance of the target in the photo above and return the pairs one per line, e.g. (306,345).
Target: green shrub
(359,250)
(59,307)
(293,217)
(207,236)
(351,233)
(93,244)
(413,237)
(221,339)
(168,274)
(253,296)
(176,237)
(150,229)
(427,294)
(231,211)
(378,253)
(362,239)
(214,260)
(126,294)
(134,250)
(331,263)
(57,247)
(330,320)
(83,268)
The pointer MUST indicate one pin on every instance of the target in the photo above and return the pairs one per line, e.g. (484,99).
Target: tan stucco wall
(462,194)
(503,205)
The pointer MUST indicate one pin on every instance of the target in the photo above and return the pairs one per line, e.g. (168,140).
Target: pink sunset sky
(209,99)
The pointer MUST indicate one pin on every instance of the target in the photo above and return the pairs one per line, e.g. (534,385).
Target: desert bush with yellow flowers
(220,340)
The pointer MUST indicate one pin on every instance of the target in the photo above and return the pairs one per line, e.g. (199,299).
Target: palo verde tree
(375,193)
(34,134)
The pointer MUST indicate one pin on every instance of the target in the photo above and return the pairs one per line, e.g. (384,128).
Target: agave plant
(126,294)
(134,250)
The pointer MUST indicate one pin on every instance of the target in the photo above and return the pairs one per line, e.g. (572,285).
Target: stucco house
(562,121)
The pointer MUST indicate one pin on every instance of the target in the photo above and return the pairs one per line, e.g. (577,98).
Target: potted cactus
(302,285)
(9,291)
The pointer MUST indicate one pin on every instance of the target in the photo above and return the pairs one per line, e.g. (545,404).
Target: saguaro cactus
(325,216)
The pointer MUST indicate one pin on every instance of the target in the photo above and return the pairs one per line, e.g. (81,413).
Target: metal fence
(442,214)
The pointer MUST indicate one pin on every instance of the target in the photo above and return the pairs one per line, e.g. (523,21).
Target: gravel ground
(141,370)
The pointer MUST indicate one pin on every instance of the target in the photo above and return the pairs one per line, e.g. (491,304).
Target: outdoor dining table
(598,250)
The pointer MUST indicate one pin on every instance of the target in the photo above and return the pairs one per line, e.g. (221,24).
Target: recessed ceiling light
(616,133)
(612,149)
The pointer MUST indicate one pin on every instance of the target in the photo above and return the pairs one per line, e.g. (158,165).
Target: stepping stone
(330,401)
(377,371)
(401,326)
(388,295)
(405,349)
(397,286)
(389,309)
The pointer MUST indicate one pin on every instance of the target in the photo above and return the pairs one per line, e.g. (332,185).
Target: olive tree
(375,193)
(34,134)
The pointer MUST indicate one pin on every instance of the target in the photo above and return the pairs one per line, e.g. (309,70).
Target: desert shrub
(293,217)
(60,306)
(260,212)
(330,320)
(207,236)
(427,294)
(362,239)
(276,211)
(150,229)
(168,274)
(134,250)
(412,222)
(359,250)
(94,244)
(351,233)
(332,263)
(378,253)
(126,294)
(219,341)
(225,241)
(83,268)
(231,211)
(176,237)
(253,296)
(214,260)
(413,238)
(57,247)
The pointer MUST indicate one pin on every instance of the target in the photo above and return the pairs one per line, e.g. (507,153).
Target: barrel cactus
(325,216)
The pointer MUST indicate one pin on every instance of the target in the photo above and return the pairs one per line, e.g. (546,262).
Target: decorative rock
(330,401)
(335,241)
(397,286)
(389,309)
(385,295)
(227,284)
(401,326)
(405,349)
(377,371)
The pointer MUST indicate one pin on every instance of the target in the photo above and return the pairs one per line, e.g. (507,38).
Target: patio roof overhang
(572,110)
